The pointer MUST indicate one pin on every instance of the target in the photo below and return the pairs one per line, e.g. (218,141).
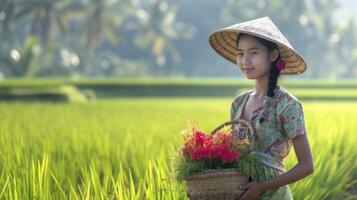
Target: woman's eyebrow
(252,48)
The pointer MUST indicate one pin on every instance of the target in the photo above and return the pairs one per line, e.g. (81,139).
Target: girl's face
(253,58)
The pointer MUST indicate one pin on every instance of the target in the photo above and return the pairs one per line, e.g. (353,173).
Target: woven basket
(220,184)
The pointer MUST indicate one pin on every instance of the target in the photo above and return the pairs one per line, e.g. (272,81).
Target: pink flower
(280,64)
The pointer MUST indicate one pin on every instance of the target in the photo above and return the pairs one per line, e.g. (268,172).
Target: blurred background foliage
(74,38)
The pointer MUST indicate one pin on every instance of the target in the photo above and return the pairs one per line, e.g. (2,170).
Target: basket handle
(238,121)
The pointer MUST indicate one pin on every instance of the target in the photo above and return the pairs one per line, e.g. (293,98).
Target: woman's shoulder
(285,98)
(240,96)
(236,102)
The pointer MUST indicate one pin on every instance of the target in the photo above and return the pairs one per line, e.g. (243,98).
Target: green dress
(275,123)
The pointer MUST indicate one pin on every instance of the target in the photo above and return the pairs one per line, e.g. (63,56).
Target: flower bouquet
(215,165)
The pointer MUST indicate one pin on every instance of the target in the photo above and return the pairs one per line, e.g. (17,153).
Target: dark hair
(274,71)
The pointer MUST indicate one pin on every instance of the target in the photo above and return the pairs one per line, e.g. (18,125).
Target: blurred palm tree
(157,30)
(21,62)
(324,38)
(348,51)
(97,20)
(7,12)
(44,19)
(46,16)
(101,20)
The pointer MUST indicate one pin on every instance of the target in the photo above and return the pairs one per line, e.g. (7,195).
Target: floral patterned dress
(276,123)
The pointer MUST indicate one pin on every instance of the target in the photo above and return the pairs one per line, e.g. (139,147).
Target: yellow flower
(227,129)
(240,142)
(191,125)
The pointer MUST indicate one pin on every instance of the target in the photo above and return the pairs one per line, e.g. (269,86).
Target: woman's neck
(261,87)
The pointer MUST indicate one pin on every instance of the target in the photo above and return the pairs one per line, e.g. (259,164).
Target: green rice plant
(121,148)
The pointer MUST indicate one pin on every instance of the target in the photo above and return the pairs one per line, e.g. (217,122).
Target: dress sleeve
(233,109)
(292,120)
(234,106)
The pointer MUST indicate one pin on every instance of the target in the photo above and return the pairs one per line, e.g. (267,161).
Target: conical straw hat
(224,42)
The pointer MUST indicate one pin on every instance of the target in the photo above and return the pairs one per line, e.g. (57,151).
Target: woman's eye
(254,52)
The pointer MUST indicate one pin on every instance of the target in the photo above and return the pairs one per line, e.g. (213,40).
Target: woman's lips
(248,70)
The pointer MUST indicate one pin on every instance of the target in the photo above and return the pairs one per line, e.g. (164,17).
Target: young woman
(262,53)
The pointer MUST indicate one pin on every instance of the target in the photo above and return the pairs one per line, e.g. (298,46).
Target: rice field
(121,148)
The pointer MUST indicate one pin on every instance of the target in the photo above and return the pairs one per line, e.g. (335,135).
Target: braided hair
(274,71)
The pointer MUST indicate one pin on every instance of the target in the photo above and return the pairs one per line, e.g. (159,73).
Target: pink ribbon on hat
(280,64)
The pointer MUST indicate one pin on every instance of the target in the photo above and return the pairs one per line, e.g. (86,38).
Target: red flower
(200,138)
(200,146)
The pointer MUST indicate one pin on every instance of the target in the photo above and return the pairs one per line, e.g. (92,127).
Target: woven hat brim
(224,42)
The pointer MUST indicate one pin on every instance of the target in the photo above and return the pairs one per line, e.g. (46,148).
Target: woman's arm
(304,167)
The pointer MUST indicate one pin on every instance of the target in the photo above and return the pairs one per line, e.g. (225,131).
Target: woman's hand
(252,190)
